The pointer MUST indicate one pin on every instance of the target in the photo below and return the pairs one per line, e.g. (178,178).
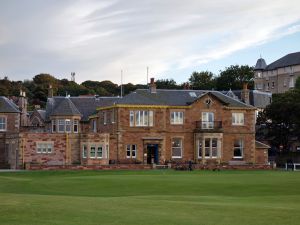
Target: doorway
(152,154)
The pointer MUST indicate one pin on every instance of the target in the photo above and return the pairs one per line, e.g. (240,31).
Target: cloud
(97,39)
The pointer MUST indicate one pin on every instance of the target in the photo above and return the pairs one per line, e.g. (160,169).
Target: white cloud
(99,38)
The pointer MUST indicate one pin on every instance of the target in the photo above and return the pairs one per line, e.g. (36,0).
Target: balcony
(208,126)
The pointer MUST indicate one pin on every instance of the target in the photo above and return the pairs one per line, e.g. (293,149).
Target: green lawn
(150,197)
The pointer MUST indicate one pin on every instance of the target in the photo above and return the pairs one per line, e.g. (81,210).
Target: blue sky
(97,39)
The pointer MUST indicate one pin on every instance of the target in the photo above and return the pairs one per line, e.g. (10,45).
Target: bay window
(141,118)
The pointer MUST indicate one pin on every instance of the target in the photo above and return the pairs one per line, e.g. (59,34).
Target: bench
(294,165)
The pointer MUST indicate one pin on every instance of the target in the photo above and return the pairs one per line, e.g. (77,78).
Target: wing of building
(279,76)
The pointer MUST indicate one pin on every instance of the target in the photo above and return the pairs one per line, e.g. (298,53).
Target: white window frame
(44,147)
(238,119)
(141,118)
(291,82)
(241,146)
(61,122)
(3,123)
(84,151)
(75,124)
(208,119)
(210,148)
(131,150)
(177,147)
(93,147)
(68,126)
(97,151)
(176,117)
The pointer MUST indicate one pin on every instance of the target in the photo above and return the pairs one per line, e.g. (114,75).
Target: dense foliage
(37,89)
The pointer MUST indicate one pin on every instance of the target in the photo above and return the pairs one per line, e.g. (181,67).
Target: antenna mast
(73,76)
(147,75)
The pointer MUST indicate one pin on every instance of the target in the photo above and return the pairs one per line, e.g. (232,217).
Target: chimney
(152,86)
(22,103)
(50,91)
(186,86)
(245,94)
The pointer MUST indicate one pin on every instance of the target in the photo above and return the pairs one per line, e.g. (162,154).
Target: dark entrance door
(152,154)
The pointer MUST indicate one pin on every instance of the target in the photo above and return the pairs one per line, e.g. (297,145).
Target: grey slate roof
(288,60)
(42,113)
(84,106)
(65,108)
(259,99)
(260,64)
(7,106)
(175,98)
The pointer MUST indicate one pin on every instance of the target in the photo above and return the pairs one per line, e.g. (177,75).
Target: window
(53,126)
(210,148)
(237,118)
(176,117)
(112,116)
(44,147)
(207,120)
(93,152)
(199,148)
(75,126)
(238,149)
(141,118)
(84,151)
(100,152)
(68,126)
(2,123)
(61,125)
(131,151)
(104,118)
(291,84)
(176,148)
(273,84)
(94,126)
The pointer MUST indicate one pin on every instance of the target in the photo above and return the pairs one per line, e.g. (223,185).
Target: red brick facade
(162,132)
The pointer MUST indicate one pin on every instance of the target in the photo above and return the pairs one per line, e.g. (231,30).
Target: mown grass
(150,197)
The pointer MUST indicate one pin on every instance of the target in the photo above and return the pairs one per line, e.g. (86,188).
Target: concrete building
(279,76)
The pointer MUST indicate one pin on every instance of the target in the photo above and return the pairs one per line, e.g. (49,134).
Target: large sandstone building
(279,76)
(145,127)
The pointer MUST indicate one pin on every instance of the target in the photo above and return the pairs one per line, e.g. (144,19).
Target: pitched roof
(65,108)
(259,99)
(7,106)
(175,98)
(84,106)
(288,60)
(259,144)
(260,64)
(42,113)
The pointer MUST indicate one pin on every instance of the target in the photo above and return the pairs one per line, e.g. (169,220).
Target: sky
(97,39)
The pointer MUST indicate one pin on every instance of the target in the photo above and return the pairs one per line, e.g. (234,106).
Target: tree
(234,76)
(166,84)
(203,80)
(282,119)
(297,85)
